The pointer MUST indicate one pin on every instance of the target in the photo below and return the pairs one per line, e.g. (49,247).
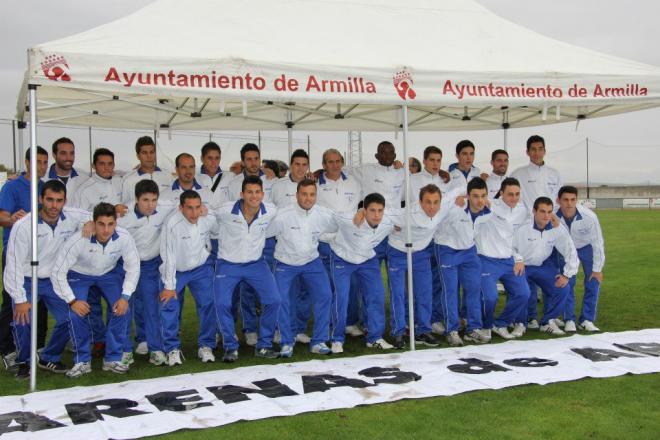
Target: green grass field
(621,407)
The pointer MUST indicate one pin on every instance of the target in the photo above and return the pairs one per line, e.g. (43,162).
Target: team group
(276,250)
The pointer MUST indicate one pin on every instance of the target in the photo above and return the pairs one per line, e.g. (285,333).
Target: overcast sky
(623,149)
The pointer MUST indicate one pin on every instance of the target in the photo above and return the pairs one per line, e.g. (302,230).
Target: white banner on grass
(139,408)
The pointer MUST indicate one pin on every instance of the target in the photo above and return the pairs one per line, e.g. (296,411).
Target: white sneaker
(559,322)
(303,338)
(174,357)
(277,337)
(479,336)
(518,330)
(79,369)
(533,324)
(454,340)
(157,358)
(320,348)
(380,343)
(286,351)
(205,354)
(438,328)
(570,327)
(115,367)
(503,332)
(353,330)
(552,329)
(127,358)
(10,360)
(588,326)
(251,339)
(337,347)
(142,348)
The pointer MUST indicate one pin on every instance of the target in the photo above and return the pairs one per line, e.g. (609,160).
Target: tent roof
(185,65)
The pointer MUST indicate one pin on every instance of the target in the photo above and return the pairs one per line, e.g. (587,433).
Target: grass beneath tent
(621,407)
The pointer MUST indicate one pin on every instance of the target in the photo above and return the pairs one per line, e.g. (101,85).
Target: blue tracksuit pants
(554,298)
(257,275)
(355,303)
(422,290)
(248,297)
(517,290)
(591,289)
(200,282)
(109,285)
(315,280)
(60,336)
(436,312)
(145,305)
(464,267)
(368,278)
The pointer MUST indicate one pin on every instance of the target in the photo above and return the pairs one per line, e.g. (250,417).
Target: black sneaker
(399,342)
(230,356)
(426,339)
(56,367)
(23,371)
(266,353)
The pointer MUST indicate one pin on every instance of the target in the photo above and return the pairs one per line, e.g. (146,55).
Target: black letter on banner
(26,422)
(394,375)
(169,400)
(270,388)
(530,362)
(650,348)
(601,354)
(90,412)
(476,366)
(323,382)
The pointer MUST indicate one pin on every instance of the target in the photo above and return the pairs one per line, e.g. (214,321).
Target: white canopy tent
(377,65)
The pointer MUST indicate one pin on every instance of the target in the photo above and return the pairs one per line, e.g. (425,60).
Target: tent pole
(34,179)
(505,127)
(21,149)
(289,129)
(13,139)
(409,250)
(91,154)
(588,168)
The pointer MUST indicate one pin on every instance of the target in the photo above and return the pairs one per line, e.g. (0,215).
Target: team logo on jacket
(403,84)
(56,68)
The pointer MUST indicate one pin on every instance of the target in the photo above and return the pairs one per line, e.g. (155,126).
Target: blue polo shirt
(15,195)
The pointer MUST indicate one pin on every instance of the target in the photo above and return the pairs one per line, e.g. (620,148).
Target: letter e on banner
(171,401)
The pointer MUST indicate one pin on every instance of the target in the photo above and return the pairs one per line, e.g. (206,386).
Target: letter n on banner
(175,400)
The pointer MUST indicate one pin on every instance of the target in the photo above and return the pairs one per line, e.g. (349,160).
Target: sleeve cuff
(126,296)
(20,300)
